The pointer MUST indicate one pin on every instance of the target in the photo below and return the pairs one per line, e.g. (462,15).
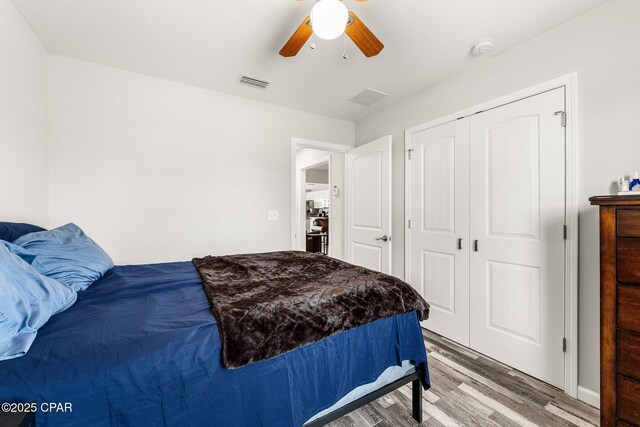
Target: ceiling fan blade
(362,36)
(298,39)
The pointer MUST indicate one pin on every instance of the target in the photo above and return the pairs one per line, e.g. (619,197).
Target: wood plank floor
(468,389)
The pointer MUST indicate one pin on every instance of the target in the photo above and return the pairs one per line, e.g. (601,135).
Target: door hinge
(563,115)
(409,223)
(564,232)
(409,151)
(564,345)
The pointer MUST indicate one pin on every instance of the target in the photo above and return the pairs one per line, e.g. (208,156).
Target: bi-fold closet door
(486,239)
(439,250)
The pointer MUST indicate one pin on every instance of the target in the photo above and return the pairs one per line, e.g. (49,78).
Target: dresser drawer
(628,255)
(628,354)
(629,308)
(628,223)
(628,396)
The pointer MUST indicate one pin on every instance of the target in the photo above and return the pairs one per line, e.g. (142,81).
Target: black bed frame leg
(416,401)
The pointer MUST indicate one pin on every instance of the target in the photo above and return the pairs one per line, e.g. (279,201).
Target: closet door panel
(517,217)
(440,217)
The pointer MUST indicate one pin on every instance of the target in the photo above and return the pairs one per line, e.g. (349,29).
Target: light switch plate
(273,216)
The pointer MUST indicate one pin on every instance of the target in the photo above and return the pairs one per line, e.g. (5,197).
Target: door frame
(570,83)
(297,143)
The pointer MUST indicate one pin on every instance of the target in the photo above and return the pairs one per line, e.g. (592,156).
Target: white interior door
(369,205)
(517,216)
(439,231)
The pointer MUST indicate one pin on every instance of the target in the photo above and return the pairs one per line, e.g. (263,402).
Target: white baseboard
(589,396)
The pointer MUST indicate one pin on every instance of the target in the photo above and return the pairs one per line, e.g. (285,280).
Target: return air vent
(253,81)
(368,97)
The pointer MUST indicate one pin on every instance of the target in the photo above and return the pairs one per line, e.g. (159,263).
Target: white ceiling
(208,43)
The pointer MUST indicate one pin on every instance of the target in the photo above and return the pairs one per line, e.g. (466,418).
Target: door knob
(384,238)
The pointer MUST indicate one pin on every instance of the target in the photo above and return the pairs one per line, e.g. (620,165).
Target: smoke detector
(482,47)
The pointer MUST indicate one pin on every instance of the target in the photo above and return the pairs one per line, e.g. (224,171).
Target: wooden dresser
(619,310)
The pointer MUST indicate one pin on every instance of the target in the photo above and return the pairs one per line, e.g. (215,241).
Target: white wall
(23,121)
(159,171)
(603,46)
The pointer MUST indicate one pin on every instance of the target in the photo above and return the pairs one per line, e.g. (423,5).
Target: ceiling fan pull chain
(312,44)
(344,38)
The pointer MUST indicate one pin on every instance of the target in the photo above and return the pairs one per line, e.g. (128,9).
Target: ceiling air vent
(252,81)
(368,97)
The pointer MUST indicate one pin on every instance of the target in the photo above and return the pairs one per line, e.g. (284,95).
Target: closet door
(517,216)
(439,231)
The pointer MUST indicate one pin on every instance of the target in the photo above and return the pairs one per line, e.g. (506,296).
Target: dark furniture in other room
(619,309)
(318,238)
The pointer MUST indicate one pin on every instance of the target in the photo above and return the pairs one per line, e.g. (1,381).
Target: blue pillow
(10,231)
(27,300)
(65,254)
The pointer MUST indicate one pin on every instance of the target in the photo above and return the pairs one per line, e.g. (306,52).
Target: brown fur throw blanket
(271,303)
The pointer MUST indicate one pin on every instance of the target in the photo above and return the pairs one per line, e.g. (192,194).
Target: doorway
(318,208)
(359,203)
(317,202)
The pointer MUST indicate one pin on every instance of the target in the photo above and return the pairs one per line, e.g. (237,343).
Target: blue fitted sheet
(140,347)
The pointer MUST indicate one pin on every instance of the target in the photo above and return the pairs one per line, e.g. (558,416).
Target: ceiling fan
(329,19)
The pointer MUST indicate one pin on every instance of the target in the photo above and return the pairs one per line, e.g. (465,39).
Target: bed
(141,347)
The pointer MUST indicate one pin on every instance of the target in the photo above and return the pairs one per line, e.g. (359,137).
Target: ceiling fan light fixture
(329,19)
